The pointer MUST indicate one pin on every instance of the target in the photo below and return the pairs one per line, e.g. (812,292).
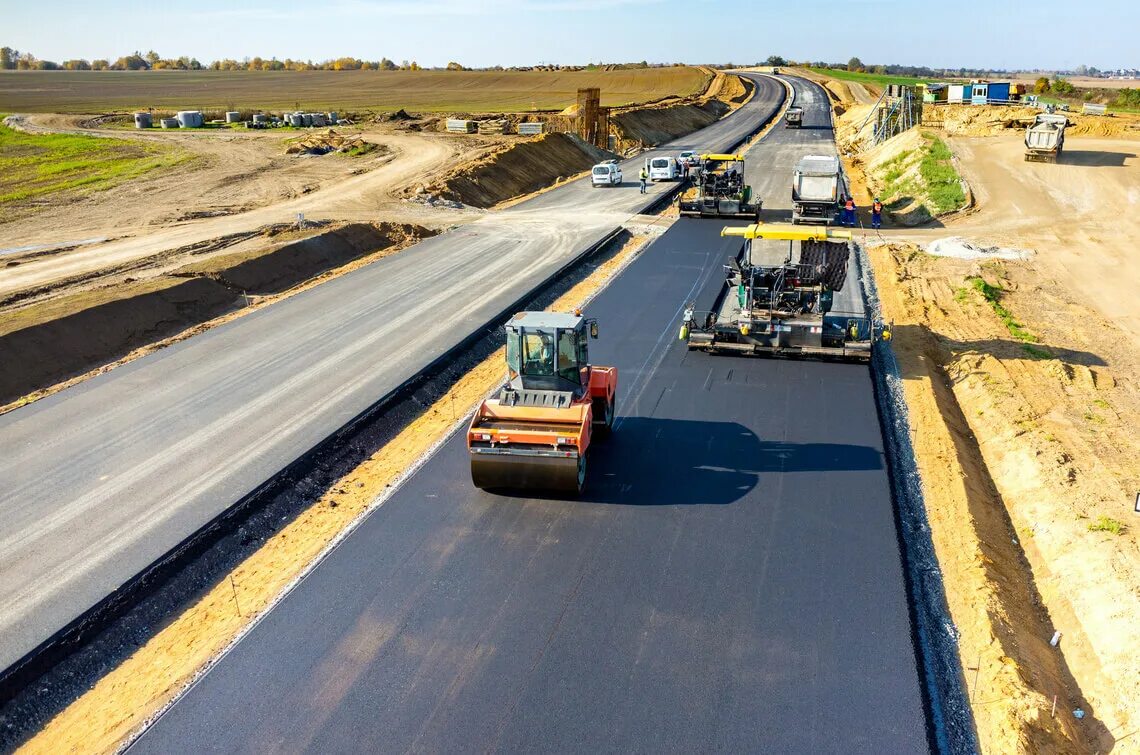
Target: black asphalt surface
(731,580)
(103,479)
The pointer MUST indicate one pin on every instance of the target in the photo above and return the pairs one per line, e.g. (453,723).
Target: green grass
(1035,352)
(1107,524)
(36,165)
(417,91)
(879,80)
(993,294)
(944,185)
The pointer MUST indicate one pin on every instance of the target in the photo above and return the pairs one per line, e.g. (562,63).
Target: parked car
(606,174)
(663,168)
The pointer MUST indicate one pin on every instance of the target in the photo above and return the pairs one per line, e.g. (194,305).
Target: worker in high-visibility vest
(849,212)
(877,214)
(644,176)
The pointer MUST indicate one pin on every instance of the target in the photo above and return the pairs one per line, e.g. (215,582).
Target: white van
(663,168)
(606,174)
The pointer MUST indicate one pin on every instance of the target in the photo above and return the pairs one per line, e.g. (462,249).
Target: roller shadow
(667,462)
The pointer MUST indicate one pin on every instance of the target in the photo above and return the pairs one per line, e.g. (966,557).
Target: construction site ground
(83,254)
(1020,376)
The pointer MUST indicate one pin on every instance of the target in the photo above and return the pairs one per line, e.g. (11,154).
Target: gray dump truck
(794,117)
(817,185)
(1045,139)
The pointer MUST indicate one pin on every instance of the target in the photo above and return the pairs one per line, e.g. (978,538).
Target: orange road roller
(534,435)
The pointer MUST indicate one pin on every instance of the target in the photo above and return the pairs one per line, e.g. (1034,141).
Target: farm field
(423,91)
(878,80)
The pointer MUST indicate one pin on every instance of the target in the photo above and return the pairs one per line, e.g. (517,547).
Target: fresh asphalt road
(730,581)
(101,479)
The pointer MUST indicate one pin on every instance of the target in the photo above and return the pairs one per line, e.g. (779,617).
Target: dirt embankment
(651,126)
(61,338)
(1023,406)
(992,120)
(516,169)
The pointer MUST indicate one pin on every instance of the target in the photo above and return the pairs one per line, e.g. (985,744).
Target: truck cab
(606,174)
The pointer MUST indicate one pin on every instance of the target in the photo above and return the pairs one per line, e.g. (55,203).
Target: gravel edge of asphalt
(936,637)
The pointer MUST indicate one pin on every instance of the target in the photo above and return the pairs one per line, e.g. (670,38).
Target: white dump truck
(1045,139)
(817,185)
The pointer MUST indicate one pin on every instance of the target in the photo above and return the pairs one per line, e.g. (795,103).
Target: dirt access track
(1021,380)
(241,183)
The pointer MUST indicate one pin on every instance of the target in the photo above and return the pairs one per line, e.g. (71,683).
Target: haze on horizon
(1017,34)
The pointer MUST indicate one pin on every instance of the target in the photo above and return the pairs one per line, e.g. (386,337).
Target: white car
(606,174)
(689,157)
(663,169)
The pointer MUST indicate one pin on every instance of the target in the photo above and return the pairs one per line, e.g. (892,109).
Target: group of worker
(847,215)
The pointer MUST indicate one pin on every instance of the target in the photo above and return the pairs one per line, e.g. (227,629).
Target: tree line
(12,59)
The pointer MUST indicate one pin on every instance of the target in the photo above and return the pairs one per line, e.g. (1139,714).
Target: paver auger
(783,302)
(535,433)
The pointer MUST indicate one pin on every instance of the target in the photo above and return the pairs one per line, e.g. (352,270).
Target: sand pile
(331,141)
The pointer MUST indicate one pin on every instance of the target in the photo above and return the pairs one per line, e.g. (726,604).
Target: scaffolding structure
(898,110)
(593,119)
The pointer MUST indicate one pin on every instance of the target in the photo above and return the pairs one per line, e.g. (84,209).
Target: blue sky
(971,33)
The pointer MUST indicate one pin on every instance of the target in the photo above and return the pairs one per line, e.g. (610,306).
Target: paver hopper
(535,434)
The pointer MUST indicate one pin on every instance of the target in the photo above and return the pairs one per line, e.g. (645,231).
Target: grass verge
(993,294)
(880,80)
(36,165)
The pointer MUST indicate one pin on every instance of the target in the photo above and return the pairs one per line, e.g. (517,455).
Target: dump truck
(794,117)
(1045,139)
(817,185)
(719,190)
(534,434)
(782,300)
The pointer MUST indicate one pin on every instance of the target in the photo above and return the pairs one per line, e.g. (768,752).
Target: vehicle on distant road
(690,158)
(663,168)
(794,117)
(607,174)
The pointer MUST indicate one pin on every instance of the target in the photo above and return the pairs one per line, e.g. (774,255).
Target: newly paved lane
(731,580)
(101,479)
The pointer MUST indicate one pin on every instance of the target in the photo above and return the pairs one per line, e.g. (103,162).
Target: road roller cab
(535,433)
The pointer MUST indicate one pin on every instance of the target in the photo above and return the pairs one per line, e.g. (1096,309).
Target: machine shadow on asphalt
(669,462)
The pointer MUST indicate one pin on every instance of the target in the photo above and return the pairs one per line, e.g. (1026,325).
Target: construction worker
(849,212)
(877,214)
(644,176)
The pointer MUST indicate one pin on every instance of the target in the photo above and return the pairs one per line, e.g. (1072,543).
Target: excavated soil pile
(652,126)
(517,169)
(322,144)
(280,268)
(72,335)
(55,340)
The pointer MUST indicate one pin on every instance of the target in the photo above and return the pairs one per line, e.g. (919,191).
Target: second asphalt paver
(730,580)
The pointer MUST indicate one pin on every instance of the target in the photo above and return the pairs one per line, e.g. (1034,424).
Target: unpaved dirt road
(1082,215)
(240,183)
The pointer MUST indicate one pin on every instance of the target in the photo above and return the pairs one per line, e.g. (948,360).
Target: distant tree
(854,64)
(414,66)
(453,66)
(100,64)
(152,57)
(133,62)
(405,65)
(643,64)
(387,65)
(76,65)
(46,65)
(775,60)
(1082,70)
(25,61)
(8,58)
(879,69)
(1061,86)
(1041,86)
